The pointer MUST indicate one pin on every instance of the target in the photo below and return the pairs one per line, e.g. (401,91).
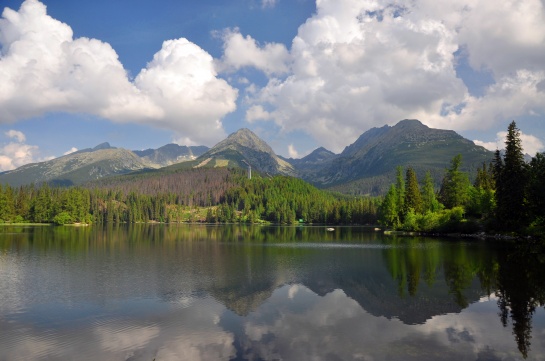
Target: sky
(299,73)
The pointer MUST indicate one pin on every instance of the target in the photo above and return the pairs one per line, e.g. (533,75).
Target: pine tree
(511,178)
(485,178)
(42,207)
(429,199)
(455,185)
(400,192)
(388,213)
(536,189)
(413,198)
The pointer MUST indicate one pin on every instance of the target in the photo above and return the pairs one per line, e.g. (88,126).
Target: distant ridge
(314,159)
(77,168)
(96,163)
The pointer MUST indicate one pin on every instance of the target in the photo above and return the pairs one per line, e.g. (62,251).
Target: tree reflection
(520,290)
(515,276)
(408,263)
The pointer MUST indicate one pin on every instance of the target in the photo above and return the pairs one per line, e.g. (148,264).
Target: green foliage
(481,202)
(485,177)
(63,218)
(388,213)
(444,221)
(511,177)
(429,199)
(413,198)
(279,199)
(455,185)
(284,200)
(400,189)
(536,189)
(508,194)
(410,222)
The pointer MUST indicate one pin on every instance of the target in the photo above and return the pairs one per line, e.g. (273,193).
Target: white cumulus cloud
(293,152)
(16,134)
(44,69)
(16,153)
(182,81)
(356,64)
(530,144)
(256,112)
(242,51)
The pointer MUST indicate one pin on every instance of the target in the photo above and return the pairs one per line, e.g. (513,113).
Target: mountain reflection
(249,293)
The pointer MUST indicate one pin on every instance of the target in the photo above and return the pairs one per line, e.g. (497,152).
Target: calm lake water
(192,292)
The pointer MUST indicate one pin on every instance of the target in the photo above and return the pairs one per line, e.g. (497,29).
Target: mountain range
(365,167)
(99,162)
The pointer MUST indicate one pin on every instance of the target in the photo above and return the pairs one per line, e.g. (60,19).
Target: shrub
(63,218)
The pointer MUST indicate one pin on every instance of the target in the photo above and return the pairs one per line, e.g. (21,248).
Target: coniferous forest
(507,194)
(199,195)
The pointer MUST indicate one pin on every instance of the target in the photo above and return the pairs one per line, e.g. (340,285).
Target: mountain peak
(104,145)
(319,154)
(245,146)
(246,138)
(410,124)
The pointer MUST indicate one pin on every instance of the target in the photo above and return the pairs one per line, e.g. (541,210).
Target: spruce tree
(511,176)
(455,185)
(413,198)
(536,189)
(400,192)
(388,213)
(429,199)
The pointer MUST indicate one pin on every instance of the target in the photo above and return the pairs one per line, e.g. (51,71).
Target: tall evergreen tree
(413,198)
(429,199)
(485,178)
(388,212)
(511,178)
(455,185)
(400,192)
(536,189)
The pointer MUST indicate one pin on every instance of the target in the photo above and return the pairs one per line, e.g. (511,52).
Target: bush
(18,219)
(428,222)
(410,223)
(63,218)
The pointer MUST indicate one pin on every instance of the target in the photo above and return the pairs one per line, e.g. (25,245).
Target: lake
(229,292)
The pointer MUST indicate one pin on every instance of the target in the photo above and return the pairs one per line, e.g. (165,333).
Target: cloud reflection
(335,327)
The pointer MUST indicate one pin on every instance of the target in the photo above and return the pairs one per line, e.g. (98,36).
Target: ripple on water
(347,245)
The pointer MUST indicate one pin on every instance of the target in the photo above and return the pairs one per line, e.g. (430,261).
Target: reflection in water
(521,289)
(247,293)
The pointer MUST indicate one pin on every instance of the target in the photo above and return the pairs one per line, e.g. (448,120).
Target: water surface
(196,292)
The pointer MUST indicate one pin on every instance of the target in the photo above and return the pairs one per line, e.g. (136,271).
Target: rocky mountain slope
(96,163)
(368,165)
(244,146)
(170,154)
(76,168)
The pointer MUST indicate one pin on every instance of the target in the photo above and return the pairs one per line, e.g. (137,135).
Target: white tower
(249,169)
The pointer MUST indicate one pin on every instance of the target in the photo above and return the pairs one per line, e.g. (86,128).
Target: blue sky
(299,73)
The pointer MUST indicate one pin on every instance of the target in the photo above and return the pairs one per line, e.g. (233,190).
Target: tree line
(287,200)
(216,196)
(508,194)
